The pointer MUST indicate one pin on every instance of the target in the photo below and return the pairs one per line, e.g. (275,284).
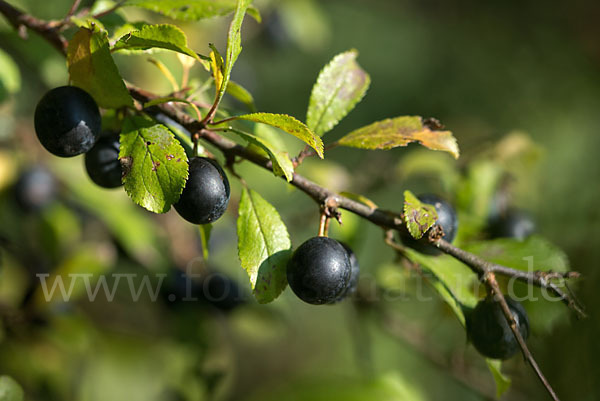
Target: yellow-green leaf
(92,68)
(401,131)
(419,217)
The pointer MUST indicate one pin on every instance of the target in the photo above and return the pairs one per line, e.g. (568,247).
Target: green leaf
(92,68)
(502,381)
(263,246)
(419,217)
(163,36)
(10,390)
(10,77)
(401,131)
(453,280)
(339,87)
(205,230)
(189,10)
(154,163)
(234,44)
(240,93)
(534,253)
(282,165)
(288,124)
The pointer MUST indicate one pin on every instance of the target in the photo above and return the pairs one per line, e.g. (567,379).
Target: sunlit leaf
(339,87)
(419,217)
(163,36)
(154,164)
(10,390)
(288,124)
(10,77)
(502,381)
(205,230)
(263,246)
(92,68)
(401,131)
(189,10)
(240,93)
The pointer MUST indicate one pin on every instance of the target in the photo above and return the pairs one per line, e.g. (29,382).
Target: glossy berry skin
(513,223)
(102,163)
(206,194)
(67,121)
(35,189)
(489,331)
(447,219)
(354,274)
(319,271)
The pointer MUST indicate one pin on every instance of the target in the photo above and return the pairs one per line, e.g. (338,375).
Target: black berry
(206,194)
(513,223)
(447,220)
(67,121)
(489,331)
(354,274)
(35,189)
(102,163)
(319,271)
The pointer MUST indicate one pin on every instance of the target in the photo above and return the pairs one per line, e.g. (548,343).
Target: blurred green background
(484,69)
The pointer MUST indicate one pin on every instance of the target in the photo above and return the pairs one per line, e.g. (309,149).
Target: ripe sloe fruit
(489,331)
(447,219)
(67,121)
(319,271)
(102,163)
(35,189)
(206,194)
(513,223)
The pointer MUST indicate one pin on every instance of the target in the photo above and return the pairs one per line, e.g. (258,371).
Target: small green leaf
(400,131)
(359,198)
(240,93)
(502,381)
(234,44)
(282,165)
(419,217)
(288,124)
(92,68)
(163,36)
(263,246)
(155,166)
(10,77)
(190,10)
(10,390)
(339,87)
(205,230)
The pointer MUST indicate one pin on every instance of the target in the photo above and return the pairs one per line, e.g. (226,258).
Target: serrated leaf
(419,217)
(453,280)
(163,36)
(155,166)
(282,165)
(400,131)
(234,44)
(189,10)
(10,390)
(92,68)
(205,230)
(263,246)
(240,93)
(10,77)
(339,87)
(288,124)
(502,381)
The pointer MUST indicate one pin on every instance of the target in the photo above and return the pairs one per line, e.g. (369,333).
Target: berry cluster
(68,123)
